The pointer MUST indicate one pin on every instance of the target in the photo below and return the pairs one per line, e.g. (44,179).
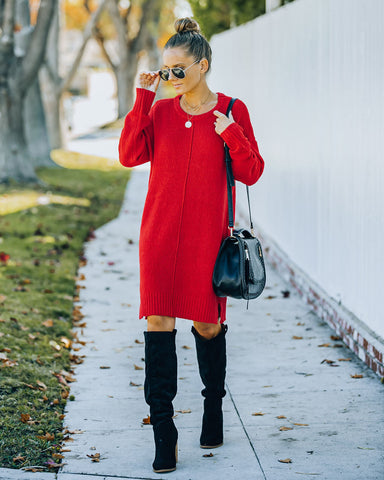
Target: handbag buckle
(231,231)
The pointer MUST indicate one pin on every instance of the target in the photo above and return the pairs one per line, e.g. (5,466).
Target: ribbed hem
(191,308)
(143,102)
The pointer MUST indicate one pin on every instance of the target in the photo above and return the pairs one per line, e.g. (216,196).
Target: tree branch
(121,29)
(35,54)
(86,36)
(151,12)
(101,41)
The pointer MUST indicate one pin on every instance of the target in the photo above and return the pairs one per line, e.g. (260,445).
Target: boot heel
(166,448)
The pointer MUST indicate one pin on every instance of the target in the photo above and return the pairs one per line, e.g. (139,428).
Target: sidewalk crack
(245,431)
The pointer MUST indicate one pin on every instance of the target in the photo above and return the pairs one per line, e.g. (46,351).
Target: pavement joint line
(124,477)
(245,431)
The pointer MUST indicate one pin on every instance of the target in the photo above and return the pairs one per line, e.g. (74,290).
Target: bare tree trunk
(17,71)
(36,128)
(125,78)
(129,49)
(14,145)
(50,85)
(54,85)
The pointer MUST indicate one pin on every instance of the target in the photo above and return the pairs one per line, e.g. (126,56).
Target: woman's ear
(204,65)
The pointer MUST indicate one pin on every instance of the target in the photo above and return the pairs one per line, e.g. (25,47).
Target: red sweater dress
(185,216)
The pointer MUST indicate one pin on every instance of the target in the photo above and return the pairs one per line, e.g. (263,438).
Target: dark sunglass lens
(164,75)
(178,72)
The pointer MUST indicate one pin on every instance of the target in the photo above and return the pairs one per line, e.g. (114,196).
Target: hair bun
(186,25)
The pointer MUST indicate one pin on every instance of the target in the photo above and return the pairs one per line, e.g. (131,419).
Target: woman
(184,221)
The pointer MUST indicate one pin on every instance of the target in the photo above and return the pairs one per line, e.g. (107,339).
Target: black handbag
(239,270)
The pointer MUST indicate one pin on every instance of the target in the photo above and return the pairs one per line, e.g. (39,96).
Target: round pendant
(188,124)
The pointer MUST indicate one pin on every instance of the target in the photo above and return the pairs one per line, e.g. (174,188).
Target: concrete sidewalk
(330,424)
(291,394)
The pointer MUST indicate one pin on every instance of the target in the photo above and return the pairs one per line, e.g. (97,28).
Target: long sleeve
(136,140)
(247,163)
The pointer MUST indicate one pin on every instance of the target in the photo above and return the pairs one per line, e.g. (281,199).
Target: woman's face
(177,57)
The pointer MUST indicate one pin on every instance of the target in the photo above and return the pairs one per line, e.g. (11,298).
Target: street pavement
(293,409)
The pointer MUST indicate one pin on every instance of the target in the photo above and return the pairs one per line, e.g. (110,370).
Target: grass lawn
(40,251)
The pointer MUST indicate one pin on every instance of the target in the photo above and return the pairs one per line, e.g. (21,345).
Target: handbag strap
(231,182)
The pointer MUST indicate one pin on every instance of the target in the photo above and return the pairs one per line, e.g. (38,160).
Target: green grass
(38,283)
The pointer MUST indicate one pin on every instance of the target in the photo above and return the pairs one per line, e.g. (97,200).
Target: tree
(215,16)
(17,72)
(35,126)
(55,84)
(136,31)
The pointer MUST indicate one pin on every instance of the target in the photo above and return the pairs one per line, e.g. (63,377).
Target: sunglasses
(177,72)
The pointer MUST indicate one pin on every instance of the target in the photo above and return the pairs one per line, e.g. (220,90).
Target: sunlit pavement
(299,404)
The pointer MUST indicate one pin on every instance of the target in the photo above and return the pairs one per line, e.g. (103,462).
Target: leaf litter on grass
(42,248)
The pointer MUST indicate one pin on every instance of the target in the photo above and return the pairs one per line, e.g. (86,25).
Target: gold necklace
(195,109)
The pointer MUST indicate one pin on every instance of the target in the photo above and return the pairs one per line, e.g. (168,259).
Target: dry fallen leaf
(184,411)
(104,367)
(66,342)
(137,367)
(54,345)
(186,347)
(24,417)
(95,457)
(300,324)
(301,424)
(48,323)
(324,345)
(281,416)
(147,421)
(19,459)
(138,341)
(132,384)
(57,455)
(328,361)
(295,337)
(286,460)
(344,359)
(270,297)
(258,414)
(53,464)
(357,376)
(47,436)
(41,385)
(284,429)
(335,337)
(208,455)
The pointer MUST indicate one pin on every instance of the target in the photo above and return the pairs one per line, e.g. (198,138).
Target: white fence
(312,76)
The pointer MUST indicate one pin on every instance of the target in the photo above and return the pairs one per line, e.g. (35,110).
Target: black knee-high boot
(212,360)
(160,388)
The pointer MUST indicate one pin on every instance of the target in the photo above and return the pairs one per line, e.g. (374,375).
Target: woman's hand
(149,81)
(222,121)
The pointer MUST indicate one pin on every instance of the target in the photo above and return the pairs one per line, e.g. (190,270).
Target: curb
(358,337)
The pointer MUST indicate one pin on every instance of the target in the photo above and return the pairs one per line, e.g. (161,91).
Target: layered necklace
(194,109)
